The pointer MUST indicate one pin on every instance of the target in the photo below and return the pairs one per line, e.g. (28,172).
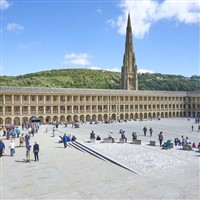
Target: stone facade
(18,105)
(129,78)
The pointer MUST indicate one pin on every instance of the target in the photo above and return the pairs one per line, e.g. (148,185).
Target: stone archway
(62,118)
(48,119)
(1,121)
(41,119)
(8,120)
(127,116)
(100,117)
(105,117)
(88,118)
(94,118)
(113,116)
(75,118)
(55,118)
(149,115)
(82,118)
(25,120)
(69,118)
(17,121)
(121,117)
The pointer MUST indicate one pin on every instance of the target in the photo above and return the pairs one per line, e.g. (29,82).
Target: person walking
(2,147)
(12,148)
(160,137)
(65,140)
(36,151)
(28,149)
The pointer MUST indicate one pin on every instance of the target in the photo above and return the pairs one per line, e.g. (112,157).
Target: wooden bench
(122,140)
(92,140)
(136,141)
(152,143)
(107,140)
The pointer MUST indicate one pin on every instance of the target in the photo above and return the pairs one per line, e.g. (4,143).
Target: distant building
(129,78)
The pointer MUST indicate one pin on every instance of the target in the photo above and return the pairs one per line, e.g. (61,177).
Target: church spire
(129,80)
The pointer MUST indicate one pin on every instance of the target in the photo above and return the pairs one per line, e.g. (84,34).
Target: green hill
(99,79)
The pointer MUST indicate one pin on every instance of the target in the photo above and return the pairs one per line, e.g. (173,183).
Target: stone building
(18,105)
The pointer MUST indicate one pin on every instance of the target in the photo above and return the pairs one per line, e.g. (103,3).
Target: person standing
(160,137)
(28,149)
(54,130)
(4,131)
(145,130)
(21,140)
(36,151)
(150,131)
(2,147)
(12,148)
(65,140)
(27,138)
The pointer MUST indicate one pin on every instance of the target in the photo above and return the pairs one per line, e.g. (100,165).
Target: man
(145,130)
(92,134)
(160,138)
(36,151)
(28,149)
(27,138)
(2,147)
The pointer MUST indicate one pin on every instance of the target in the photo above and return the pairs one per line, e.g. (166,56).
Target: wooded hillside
(99,79)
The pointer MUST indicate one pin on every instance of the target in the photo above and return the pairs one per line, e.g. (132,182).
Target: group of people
(12,133)
(150,131)
(66,139)
(92,135)
(28,149)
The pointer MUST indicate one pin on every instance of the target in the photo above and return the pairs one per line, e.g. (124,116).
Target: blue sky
(44,35)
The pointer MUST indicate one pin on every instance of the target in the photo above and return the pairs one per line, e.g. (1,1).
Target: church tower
(129,78)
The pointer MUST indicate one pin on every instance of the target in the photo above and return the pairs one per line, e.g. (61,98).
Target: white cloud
(94,68)
(111,22)
(99,11)
(145,71)
(77,59)
(23,46)
(4,5)
(14,27)
(115,69)
(145,13)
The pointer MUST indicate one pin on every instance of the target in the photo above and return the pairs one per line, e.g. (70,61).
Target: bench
(152,143)
(107,140)
(135,141)
(122,140)
(187,147)
(92,140)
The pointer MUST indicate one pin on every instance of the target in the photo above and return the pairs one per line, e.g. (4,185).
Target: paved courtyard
(72,174)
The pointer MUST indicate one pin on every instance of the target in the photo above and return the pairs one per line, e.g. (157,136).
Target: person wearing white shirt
(12,148)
